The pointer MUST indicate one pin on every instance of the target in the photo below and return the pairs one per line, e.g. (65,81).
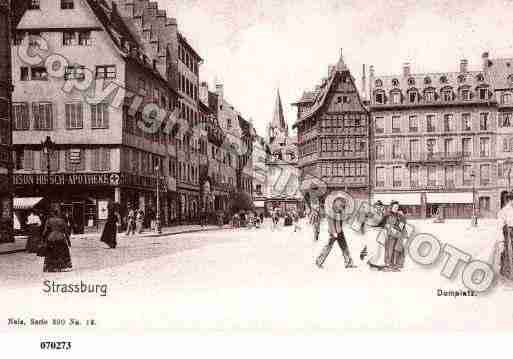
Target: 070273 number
(56,345)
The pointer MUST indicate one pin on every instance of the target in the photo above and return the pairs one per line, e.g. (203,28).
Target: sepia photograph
(255,166)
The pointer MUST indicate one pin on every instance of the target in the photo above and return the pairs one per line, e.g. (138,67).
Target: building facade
(333,136)
(435,144)
(101,150)
(5,123)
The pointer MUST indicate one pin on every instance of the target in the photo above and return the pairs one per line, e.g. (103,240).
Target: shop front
(449,204)
(84,197)
(409,202)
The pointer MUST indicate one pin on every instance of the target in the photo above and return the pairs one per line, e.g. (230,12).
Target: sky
(254,47)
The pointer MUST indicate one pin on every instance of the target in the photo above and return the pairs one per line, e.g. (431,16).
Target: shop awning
(259,204)
(451,197)
(23,203)
(409,199)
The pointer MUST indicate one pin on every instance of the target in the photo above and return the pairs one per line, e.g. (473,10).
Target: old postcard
(188,166)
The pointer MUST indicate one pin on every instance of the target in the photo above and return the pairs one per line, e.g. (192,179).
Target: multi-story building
(92,109)
(333,136)
(434,141)
(260,154)
(5,123)
(245,157)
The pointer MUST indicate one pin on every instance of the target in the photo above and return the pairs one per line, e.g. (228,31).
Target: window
(84,38)
(396,150)
(431,174)
(24,74)
(448,123)
(395,82)
(429,96)
(74,119)
(449,176)
(380,150)
(21,116)
(447,95)
(483,121)
(484,203)
(414,149)
(484,145)
(414,177)
(38,73)
(448,143)
(67,4)
(380,176)
(34,5)
(483,94)
(443,79)
(413,96)
(379,125)
(100,116)
(106,72)
(396,97)
(74,72)
(396,172)
(100,159)
(465,94)
(43,115)
(465,122)
(75,159)
(396,124)
(68,38)
(378,83)
(427,80)
(380,98)
(54,161)
(430,122)
(229,123)
(485,174)
(505,119)
(467,172)
(430,146)
(466,146)
(414,124)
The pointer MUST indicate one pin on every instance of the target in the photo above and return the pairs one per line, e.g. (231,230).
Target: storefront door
(76,211)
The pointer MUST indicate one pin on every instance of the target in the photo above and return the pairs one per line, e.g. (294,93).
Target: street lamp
(47,147)
(473,221)
(157,220)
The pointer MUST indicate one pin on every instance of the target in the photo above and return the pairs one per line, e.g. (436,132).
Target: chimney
(486,60)
(371,79)
(463,65)
(220,90)
(406,69)
(364,83)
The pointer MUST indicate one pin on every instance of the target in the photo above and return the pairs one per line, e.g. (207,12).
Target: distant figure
(315,221)
(295,218)
(275,218)
(139,220)
(34,233)
(505,217)
(69,221)
(110,229)
(56,243)
(130,222)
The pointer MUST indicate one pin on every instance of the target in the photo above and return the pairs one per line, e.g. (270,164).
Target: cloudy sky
(255,46)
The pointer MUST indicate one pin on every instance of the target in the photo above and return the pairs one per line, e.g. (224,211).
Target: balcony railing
(436,157)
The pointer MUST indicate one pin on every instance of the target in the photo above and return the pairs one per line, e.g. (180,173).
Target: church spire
(341,66)
(278,121)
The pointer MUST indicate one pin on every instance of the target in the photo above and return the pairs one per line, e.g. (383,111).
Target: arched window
(461,78)
(379,97)
(413,95)
(447,94)
(395,97)
(443,79)
(427,80)
(480,77)
(378,83)
(429,95)
(395,82)
(411,81)
(464,93)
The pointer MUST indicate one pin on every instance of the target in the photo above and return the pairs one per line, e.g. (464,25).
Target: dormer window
(427,80)
(380,98)
(465,94)
(506,98)
(447,95)
(480,77)
(429,95)
(461,78)
(411,81)
(395,82)
(443,79)
(379,83)
(67,4)
(395,97)
(483,94)
(413,96)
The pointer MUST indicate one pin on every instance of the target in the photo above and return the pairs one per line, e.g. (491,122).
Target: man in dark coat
(395,226)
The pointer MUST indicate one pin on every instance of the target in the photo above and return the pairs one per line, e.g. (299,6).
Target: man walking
(336,233)
(315,221)
(395,226)
(505,217)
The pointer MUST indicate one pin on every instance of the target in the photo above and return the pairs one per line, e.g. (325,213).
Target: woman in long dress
(34,233)
(110,229)
(56,240)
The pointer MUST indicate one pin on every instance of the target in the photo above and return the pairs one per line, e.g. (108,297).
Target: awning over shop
(409,199)
(454,197)
(259,204)
(24,203)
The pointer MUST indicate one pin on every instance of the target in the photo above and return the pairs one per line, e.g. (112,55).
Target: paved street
(253,279)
